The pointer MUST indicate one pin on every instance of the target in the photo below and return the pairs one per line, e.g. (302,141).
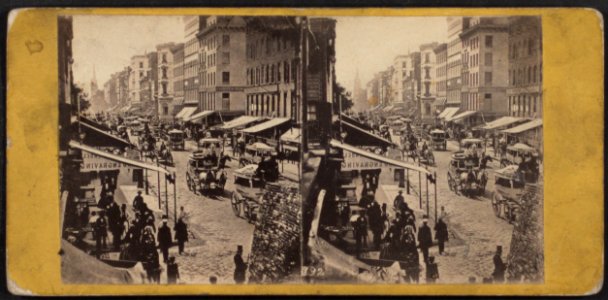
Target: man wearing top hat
(240,266)
(425,239)
(164,239)
(499,266)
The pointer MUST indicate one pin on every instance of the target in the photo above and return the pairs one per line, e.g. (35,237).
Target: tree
(78,93)
(343,96)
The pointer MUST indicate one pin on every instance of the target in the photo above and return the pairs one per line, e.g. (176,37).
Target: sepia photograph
(231,149)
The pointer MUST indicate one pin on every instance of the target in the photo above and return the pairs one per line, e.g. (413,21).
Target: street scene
(167,176)
(208,149)
(431,172)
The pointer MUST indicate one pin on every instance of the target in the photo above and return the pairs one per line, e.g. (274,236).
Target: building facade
(412,83)
(454,82)
(138,70)
(400,71)
(165,88)
(428,81)
(192,26)
(177,54)
(525,67)
(485,66)
(221,54)
(373,91)
(272,66)
(441,59)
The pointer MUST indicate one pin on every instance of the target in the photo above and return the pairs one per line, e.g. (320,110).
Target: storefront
(530,133)
(268,132)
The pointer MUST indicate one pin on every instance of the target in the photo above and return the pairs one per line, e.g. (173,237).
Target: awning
(376,157)
(185,112)
(292,135)
(448,112)
(266,125)
(374,137)
(290,148)
(525,127)
(200,115)
(106,134)
(240,121)
(126,108)
(348,119)
(377,107)
(78,267)
(118,158)
(501,122)
(462,115)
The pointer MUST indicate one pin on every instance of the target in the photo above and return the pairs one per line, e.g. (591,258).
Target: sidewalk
(126,193)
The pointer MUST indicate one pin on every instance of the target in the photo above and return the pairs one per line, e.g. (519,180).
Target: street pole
(158,183)
(427,196)
(407,180)
(166,198)
(435,188)
(419,190)
(175,197)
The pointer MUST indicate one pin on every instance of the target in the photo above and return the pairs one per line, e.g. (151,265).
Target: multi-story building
(485,67)
(412,83)
(441,59)
(222,57)
(272,66)
(191,62)
(151,104)
(164,91)
(360,102)
(138,70)
(428,83)
(123,86)
(177,81)
(525,67)
(400,70)
(453,90)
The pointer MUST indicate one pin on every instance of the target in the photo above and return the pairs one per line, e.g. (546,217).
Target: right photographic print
(422,150)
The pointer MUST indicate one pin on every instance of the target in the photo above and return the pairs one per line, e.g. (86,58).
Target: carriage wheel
(236,207)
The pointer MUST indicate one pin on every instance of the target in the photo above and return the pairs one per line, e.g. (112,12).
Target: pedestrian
(183,215)
(115,225)
(138,201)
(499,266)
(441,234)
(240,266)
(425,239)
(443,214)
(399,200)
(181,234)
(124,217)
(360,228)
(432,270)
(374,215)
(384,218)
(149,255)
(101,232)
(164,239)
(172,271)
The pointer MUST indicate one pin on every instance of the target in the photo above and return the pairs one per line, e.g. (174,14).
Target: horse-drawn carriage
(508,190)
(255,152)
(249,188)
(438,139)
(204,174)
(465,175)
(516,153)
(176,139)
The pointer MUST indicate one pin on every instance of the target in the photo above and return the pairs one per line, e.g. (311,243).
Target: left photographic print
(169,174)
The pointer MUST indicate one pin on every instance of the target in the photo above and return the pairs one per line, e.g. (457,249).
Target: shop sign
(353,161)
(94,163)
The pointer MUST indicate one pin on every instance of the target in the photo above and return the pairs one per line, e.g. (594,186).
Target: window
(286,72)
(404,64)
(141,74)
(226,40)
(164,88)
(489,41)
(488,59)
(530,46)
(226,58)
(141,64)
(165,110)
(427,58)
(488,78)
(164,72)
(427,72)
(312,112)
(529,75)
(225,101)
(427,88)
(226,77)
(535,78)
(487,96)
(272,74)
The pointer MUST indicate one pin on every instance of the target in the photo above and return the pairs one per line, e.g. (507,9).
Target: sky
(369,44)
(108,42)
(366,44)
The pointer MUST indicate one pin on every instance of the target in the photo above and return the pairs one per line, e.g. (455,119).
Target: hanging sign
(353,161)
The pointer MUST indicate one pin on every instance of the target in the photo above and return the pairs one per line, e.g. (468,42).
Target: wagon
(248,190)
(254,153)
(508,190)
(515,154)
(204,175)
(438,139)
(465,176)
(176,139)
